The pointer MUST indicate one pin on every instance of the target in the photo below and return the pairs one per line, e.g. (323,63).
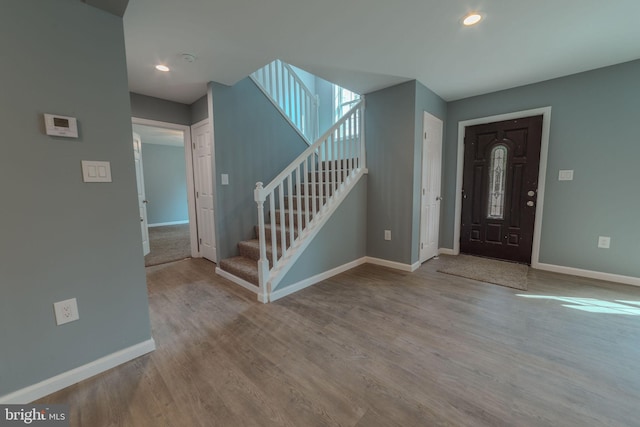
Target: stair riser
(326,175)
(335,164)
(229,266)
(308,189)
(287,221)
(268,232)
(292,202)
(254,252)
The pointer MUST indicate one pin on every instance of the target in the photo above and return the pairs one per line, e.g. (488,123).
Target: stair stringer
(307,236)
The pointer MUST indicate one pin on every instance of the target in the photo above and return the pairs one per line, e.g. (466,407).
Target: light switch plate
(96,171)
(565,175)
(604,242)
(224,178)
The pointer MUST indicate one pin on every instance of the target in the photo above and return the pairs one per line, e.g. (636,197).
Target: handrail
(304,189)
(286,90)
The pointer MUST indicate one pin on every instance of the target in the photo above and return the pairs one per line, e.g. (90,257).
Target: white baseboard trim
(446,251)
(161,224)
(238,281)
(626,280)
(280,293)
(392,264)
(53,384)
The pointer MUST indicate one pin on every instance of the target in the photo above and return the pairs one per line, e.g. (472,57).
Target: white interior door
(203,179)
(431,172)
(142,200)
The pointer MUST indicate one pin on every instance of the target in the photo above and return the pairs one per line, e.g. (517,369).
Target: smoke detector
(187,57)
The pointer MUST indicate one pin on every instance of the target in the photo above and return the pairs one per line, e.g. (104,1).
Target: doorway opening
(538,204)
(162,192)
(166,177)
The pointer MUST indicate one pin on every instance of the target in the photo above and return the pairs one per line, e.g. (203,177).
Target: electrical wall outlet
(66,311)
(387,234)
(604,242)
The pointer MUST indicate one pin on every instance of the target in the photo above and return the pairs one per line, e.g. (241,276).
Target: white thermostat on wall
(61,125)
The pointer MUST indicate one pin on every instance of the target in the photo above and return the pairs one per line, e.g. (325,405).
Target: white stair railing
(299,197)
(291,96)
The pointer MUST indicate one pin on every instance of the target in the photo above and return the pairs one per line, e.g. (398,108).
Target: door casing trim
(188,156)
(423,168)
(542,173)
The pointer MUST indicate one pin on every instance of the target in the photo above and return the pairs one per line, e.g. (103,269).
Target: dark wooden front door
(499,187)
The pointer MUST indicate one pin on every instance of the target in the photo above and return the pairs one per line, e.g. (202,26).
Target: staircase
(295,205)
(245,266)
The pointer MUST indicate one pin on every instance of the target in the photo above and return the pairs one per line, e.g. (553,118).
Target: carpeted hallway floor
(168,243)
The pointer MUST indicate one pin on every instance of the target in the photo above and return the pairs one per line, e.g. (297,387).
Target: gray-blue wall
(62,238)
(342,239)
(253,142)
(199,110)
(594,131)
(165,183)
(150,108)
(393,129)
(390,134)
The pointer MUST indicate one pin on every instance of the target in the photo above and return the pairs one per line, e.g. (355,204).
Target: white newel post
(263,263)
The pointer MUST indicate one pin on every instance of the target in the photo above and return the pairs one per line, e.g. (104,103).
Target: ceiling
(366,45)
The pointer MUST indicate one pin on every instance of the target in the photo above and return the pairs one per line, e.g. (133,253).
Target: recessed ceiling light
(472,19)
(161,67)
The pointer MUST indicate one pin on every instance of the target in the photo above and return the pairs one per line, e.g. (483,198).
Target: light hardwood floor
(373,347)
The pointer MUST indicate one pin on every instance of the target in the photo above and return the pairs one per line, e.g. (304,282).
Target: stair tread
(255,243)
(295,212)
(278,230)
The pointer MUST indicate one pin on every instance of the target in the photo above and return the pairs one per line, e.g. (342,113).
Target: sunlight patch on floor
(593,305)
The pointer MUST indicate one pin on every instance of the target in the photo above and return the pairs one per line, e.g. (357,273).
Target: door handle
(439,199)
(141,219)
(145,201)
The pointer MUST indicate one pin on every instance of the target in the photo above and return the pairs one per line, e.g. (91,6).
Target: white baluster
(283,225)
(334,172)
(325,168)
(274,230)
(307,205)
(298,202)
(291,222)
(313,185)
